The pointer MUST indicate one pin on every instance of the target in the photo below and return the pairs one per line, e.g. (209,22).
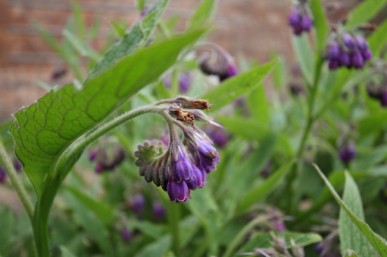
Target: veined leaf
(349,236)
(379,243)
(364,12)
(238,85)
(44,130)
(137,36)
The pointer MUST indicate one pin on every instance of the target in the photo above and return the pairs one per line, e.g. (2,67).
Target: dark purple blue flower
(17,164)
(299,19)
(3,175)
(158,211)
(183,167)
(93,154)
(185,82)
(279,225)
(137,203)
(383,97)
(348,51)
(347,152)
(126,234)
(218,135)
(198,179)
(178,191)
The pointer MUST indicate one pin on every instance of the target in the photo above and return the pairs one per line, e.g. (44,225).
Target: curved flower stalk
(184,165)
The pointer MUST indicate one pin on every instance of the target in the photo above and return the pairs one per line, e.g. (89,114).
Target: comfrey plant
(300,18)
(186,162)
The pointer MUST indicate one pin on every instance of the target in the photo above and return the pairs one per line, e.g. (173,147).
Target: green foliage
(379,244)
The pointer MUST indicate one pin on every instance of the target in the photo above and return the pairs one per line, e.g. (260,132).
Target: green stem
(173,219)
(241,235)
(15,180)
(305,134)
(70,155)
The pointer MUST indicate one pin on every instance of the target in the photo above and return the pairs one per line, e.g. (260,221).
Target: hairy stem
(15,180)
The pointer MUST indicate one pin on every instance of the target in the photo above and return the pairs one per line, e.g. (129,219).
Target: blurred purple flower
(17,165)
(299,19)
(137,204)
(185,82)
(347,152)
(158,211)
(3,175)
(218,135)
(126,234)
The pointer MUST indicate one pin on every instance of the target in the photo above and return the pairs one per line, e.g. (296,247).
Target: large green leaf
(379,243)
(136,37)
(364,12)
(350,238)
(45,129)
(238,85)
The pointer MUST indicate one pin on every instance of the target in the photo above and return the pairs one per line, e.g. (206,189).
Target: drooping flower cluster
(300,19)
(346,50)
(184,165)
(214,60)
(107,157)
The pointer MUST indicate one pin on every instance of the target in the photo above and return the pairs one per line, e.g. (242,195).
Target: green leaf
(157,248)
(364,12)
(245,128)
(379,244)
(257,193)
(66,252)
(238,85)
(378,39)
(136,37)
(101,210)
(349,236)
(265,240)
(44,130)
(305,56)
(320,24)
(203,14)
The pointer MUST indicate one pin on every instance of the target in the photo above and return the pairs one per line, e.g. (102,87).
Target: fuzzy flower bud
(137,203)
(185,82)
(126,234)
(158,211)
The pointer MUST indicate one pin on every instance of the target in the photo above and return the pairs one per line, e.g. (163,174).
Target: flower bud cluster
(184,165)
(347,152)
(107,157)
(347,51)
(300,19)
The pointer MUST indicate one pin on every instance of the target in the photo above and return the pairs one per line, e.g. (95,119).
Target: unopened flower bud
(126,234)
(137,203)
(158,211)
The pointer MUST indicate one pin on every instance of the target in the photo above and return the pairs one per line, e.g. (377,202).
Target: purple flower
(299,19)
(347,152)
(158,211)
(347,51)
(137,203)
(107,157)
(126,234)
(3,175)
(17,164)
(178,191)
(198,179)
(383,97)
(183,167)
(185,82)
(93,154)
(218,135)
